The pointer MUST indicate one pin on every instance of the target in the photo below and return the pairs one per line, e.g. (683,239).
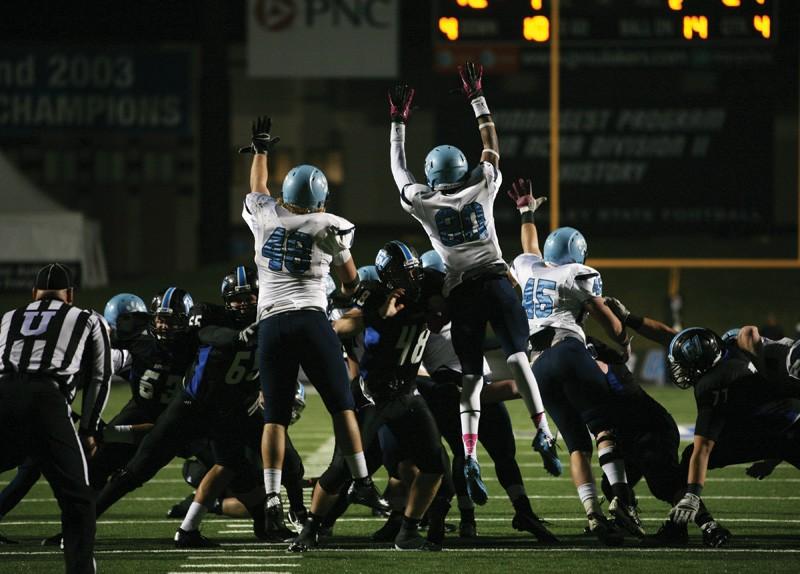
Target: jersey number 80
(290,251)
(457,227)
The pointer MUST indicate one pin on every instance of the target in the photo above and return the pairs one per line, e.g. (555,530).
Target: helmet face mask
(399,267)
(240,294)
(692,353)
(170,314)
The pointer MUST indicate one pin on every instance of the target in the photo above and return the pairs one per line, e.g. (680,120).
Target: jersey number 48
(290,251)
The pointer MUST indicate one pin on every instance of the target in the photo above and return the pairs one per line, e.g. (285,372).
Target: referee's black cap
(53,277)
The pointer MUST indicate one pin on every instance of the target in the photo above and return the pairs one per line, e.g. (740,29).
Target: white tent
(35,230)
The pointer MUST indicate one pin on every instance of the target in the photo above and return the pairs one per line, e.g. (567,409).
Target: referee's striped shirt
(71,345)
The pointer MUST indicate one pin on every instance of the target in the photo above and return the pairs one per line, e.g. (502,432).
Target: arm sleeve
(337,239)
(710,422)
(588,284)
(95,394)
(403,178)
(253,203)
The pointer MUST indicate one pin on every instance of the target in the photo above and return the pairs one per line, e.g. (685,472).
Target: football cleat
(529,522)
(605,530)
(307,539)
(548,449)
(54,540)
(298,518)
(475,487)
(389,530)
(275,529)
(714,534)
(364,492)
(180,509)
(411,540)
(670,534)
(626,517)
(192,539)
(4,540)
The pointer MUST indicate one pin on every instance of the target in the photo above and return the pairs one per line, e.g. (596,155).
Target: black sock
(467,515)
(410,523)
(522,505)
(622,491)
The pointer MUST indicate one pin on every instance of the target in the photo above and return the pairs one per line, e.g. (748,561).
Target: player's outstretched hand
(619,310)
(761,469)
(521,193)
(686,509)
(400,98)
(471,80)
(392,306)
(262,141)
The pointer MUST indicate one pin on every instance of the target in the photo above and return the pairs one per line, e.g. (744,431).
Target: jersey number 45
(537,303)
(288,251)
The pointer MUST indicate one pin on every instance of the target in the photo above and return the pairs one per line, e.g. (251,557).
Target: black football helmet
(399,267)
(240,293)
(170,311)
(692,353)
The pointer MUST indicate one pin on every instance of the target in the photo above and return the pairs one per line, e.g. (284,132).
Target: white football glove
(686,509)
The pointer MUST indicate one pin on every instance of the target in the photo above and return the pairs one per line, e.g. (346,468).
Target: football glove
(471,77)
(262,141)
(400,98)
(521,193)
(686,509)
(248,337)
(619,310)
(762,469)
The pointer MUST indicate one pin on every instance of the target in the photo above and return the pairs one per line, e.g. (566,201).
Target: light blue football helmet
(445,167)
(730,334)
(368,273)
(432,260)
(305,186)
(565,245)
(120,304)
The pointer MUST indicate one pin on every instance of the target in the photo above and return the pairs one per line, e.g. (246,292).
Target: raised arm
(261,144)
(472,86)
(521,193)
(400,98)
(645,326)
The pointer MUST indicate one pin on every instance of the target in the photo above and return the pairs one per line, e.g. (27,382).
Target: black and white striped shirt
(69,344)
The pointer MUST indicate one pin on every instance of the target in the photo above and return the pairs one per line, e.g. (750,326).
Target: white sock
(615,468)
(588,495)
(527,387)
(471,386)
(272,480)
(194,516)
(357,464)
(515,491)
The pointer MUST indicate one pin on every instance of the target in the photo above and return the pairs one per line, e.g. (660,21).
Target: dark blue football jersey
(393,347)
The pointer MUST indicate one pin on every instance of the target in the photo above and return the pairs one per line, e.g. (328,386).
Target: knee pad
(430,462)
(608,449)
(193,472)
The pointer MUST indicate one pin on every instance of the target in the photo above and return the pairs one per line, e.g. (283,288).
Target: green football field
(135,535)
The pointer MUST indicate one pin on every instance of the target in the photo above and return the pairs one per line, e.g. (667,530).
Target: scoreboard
(669,110)
(605,21)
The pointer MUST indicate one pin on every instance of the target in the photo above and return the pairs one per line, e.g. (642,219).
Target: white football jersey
(440,354)
(460,224)
(554,295)
(293,253)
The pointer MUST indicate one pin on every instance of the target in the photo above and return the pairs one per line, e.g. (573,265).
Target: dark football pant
(112,456)
(296,339)
(650,440)
(35,421)
(575,393)
(27,475)
(410,421)
(476,302)
(494,432)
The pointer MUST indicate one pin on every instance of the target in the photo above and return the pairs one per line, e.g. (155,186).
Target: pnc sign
(322,38)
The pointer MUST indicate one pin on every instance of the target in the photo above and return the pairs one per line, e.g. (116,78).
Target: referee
(46,348)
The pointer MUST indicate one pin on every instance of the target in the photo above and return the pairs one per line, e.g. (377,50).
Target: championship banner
(322,38)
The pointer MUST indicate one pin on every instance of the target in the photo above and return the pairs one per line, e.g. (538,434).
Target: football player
(441,392)
(741,415)
(394,317)
(296,242)
(558,291)
(456,208)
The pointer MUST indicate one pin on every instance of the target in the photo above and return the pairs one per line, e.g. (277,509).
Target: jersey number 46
(290,251)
